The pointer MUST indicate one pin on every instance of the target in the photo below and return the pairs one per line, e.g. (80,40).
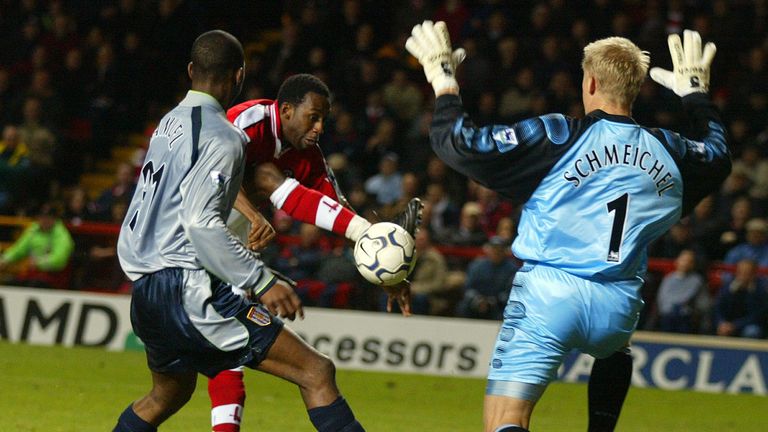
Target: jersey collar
(612,117)
(198,98)
(274,119)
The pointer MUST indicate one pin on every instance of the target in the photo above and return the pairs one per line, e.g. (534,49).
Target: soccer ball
(384,254)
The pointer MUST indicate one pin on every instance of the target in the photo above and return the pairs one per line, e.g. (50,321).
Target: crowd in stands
(78,78)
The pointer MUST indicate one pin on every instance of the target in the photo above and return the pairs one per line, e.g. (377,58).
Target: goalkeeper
(596,192)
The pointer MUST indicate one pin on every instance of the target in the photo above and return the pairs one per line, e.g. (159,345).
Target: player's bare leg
(169,393)
(294,360)
(506,413)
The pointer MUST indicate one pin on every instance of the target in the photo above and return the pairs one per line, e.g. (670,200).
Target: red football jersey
(260,120)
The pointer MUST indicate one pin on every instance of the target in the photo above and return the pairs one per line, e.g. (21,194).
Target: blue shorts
(549,314)
(191,321)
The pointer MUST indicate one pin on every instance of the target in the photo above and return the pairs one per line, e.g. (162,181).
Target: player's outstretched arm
(706,157)
(430,43)
(690,65)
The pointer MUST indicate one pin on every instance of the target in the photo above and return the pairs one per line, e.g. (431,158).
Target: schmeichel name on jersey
(615,155)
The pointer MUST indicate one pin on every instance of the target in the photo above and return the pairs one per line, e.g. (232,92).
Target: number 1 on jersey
(619,206)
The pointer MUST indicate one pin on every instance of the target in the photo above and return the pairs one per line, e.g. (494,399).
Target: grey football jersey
(187,187)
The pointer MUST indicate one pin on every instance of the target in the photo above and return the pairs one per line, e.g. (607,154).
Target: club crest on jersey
(218,178)
(258,315)
(506,136)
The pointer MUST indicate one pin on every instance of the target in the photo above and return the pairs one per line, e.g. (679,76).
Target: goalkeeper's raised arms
(431,45)
(690,65)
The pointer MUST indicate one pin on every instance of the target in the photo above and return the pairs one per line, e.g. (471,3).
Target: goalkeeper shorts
(191,321)
(550,313)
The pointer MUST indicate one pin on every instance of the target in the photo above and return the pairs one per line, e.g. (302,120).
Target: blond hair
(619,66)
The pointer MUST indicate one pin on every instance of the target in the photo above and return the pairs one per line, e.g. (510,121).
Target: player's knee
(320,372)
(268,178)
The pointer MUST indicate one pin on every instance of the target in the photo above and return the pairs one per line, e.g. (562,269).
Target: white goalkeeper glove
(431,45)
(690,65)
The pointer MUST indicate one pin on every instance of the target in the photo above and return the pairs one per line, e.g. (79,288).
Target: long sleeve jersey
(260,120)
(597,190)
(191,176)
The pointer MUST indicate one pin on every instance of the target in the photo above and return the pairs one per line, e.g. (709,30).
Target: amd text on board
(55,323)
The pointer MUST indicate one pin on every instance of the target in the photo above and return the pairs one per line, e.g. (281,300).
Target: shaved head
(215,55)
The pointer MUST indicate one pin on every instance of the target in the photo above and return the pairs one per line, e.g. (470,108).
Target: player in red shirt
(285,164)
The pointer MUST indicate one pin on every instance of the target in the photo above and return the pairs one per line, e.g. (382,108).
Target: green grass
(55,389)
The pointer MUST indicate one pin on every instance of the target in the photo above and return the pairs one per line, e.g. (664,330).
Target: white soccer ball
(384,254)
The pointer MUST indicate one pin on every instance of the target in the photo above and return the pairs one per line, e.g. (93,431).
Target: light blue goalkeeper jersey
(191,176)
(596,191)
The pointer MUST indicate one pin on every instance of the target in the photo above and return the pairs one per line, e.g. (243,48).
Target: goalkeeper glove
(690,65)
(431,45)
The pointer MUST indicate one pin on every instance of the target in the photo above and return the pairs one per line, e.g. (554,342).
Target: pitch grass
(56,389)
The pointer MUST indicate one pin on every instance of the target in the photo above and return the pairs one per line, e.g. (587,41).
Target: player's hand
(400,293)
(690,65)
(261,234)
(431,45)
(281,300)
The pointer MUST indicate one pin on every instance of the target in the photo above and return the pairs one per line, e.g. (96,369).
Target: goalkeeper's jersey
(596,191)
(191,176)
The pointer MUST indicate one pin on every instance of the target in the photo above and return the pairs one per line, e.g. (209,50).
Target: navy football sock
(130,422)
(511,428)
(336,417)
(608,386)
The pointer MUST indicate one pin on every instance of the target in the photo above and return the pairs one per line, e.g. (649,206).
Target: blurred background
(83,83)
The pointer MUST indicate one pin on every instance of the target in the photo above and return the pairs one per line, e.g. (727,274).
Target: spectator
(402,97)
(46,246)
(428,287)
(386,186)
(740,309)
(469,231)
(41,143)
(756,169)
(409,186)
(735,231)
(105,273)
(345,138)
(14,168)
(489,279)
(382,143)
(494,208)
(338,275)
(506,229)
(683,298)
(78,208)
(301,262)
(441,214)
(122,189)
(676,240)
(415,152)
(755,248)
(707,228)
(439,172)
